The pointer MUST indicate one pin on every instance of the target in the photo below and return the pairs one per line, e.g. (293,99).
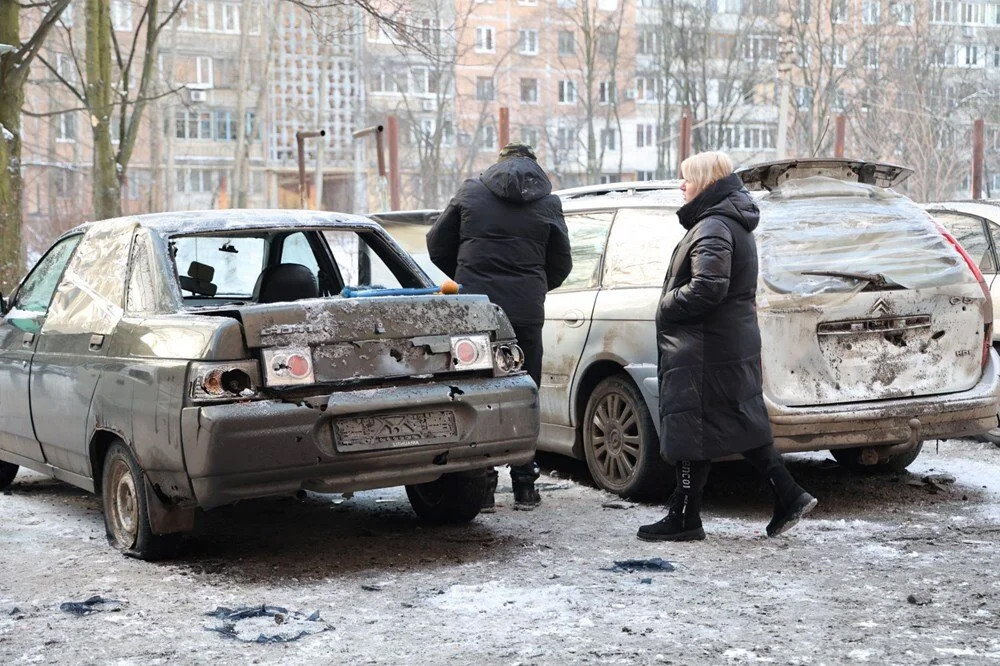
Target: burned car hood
(324,321)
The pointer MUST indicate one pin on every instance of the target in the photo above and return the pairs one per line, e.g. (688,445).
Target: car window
(148,290)
(588,235)
(36,292)
(219,266)
(296,250)
(360,264)
(970,233)
(639,249)
(91,296)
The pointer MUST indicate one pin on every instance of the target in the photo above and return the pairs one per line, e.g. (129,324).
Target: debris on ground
(265,624)
(616,505)
(919,599)
(650,564)
(95,604)
(933,483)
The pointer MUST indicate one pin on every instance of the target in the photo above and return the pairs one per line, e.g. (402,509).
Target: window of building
(804,10)
(871,12)
(530,3)
(871,57)
(230,17)
(566,4)
(528,42)
(972,13)
(565,138)
(64,183)
(425,80)
(529,91)
(647,41)
(944,11)
(567,92)
(430,31)
(121,15)
(761,7)
(902,12)
(567,42)
(995,55)
(609,138)
(839,11)
(66,18)
(529,136)
(485,91)
(66,127)
(803,97)
(645,175)
(606,92)
(943,56)
(971,55)
(607,43)
(645,89)
(485,39)
(904,56)
(760,48)
(487,138)
(644,135)
(203,77)
(607,5)
(65,67)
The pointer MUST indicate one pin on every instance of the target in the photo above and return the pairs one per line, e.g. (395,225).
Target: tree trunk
(106,183)
(10,160)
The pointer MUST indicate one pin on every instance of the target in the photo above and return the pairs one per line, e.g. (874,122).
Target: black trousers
(529,337)
(693,474)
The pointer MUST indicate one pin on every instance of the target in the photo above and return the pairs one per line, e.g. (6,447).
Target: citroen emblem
(881,307)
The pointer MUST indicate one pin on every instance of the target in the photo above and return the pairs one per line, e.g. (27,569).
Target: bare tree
(15,63)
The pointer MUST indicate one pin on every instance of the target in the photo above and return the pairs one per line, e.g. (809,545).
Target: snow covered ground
(532,587)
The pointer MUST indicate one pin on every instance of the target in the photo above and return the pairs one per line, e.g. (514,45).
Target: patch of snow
(7,134)
(498,597)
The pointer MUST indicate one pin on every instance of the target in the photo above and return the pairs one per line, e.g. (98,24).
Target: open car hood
(771,174)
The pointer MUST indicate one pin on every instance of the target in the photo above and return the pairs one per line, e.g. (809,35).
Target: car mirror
(3,305)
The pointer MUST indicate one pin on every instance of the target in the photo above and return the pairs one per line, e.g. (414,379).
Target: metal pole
(394,180)
(300,144)
(377,131)
(684,140)
(977,159)
(782,141)
(838,144)
(504,126)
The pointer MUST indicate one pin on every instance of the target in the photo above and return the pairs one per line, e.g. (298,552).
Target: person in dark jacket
(711,396)
(503,235)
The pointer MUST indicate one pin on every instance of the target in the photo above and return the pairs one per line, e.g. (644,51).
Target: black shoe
(787,515)
(526,497)
(682,522)
(489,501)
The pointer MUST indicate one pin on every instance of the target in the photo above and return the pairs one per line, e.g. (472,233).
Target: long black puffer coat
(711,401)
(503,235)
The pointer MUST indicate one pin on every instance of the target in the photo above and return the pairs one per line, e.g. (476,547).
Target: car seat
(285,282)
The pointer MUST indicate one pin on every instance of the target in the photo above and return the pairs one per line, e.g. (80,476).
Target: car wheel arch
(100,441)
(597,371)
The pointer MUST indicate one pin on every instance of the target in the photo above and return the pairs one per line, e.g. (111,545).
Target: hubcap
(123,505)
(614,434)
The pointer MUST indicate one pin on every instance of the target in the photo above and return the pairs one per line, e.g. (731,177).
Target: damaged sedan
(876,325)
(172,362)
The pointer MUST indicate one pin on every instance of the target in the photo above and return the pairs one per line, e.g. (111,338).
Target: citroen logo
(881,307)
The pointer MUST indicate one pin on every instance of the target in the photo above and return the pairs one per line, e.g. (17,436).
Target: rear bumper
(265,448)
(889,422)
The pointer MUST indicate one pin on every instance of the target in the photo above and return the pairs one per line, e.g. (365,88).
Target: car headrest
(285,282)
(201,271)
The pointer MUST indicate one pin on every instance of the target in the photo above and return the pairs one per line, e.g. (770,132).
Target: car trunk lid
(862,298)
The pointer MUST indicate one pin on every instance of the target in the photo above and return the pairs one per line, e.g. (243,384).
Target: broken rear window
(816,231)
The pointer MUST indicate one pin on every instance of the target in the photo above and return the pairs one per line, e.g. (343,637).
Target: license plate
(395,431)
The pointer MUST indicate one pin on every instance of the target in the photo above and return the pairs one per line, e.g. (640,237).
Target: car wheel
(126,518)
(991,436)
(850,458)
(620,442)
(452,499)
(7,473)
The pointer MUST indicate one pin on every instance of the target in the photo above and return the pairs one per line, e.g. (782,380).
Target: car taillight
(988,324)
(290,366)
(471,352)
(235,380)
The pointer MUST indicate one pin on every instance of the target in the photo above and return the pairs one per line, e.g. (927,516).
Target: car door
(71,350)
(19,331)
(568,314)
(978,237)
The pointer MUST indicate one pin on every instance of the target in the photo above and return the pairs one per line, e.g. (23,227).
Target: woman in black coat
(711,399)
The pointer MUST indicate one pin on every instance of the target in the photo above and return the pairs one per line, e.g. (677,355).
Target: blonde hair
(703,169)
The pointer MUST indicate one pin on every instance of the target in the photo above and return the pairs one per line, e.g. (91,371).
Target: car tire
(450,500)
(848,458)
(126,517)
(7,473)
(629,464)
(992,436)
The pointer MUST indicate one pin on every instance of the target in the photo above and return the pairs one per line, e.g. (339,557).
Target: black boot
(791,501)
(489,501)
(683,519)
(523,477)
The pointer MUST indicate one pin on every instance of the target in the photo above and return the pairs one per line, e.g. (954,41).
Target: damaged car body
(876,326)
(177,361)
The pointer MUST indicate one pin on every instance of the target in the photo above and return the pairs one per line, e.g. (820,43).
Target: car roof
(242,219)
(625,194)
(771,174)
(988,208)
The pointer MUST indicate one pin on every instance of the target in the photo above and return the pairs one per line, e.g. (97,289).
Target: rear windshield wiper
(874,280)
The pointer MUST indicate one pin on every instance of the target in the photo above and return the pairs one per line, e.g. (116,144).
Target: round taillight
(298,366)
(212,383)
(466,352)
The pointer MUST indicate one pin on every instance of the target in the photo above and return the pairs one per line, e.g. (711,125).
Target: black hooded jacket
(504,235)
(711,400)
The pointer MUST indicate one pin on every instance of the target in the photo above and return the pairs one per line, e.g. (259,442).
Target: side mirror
(3,305)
